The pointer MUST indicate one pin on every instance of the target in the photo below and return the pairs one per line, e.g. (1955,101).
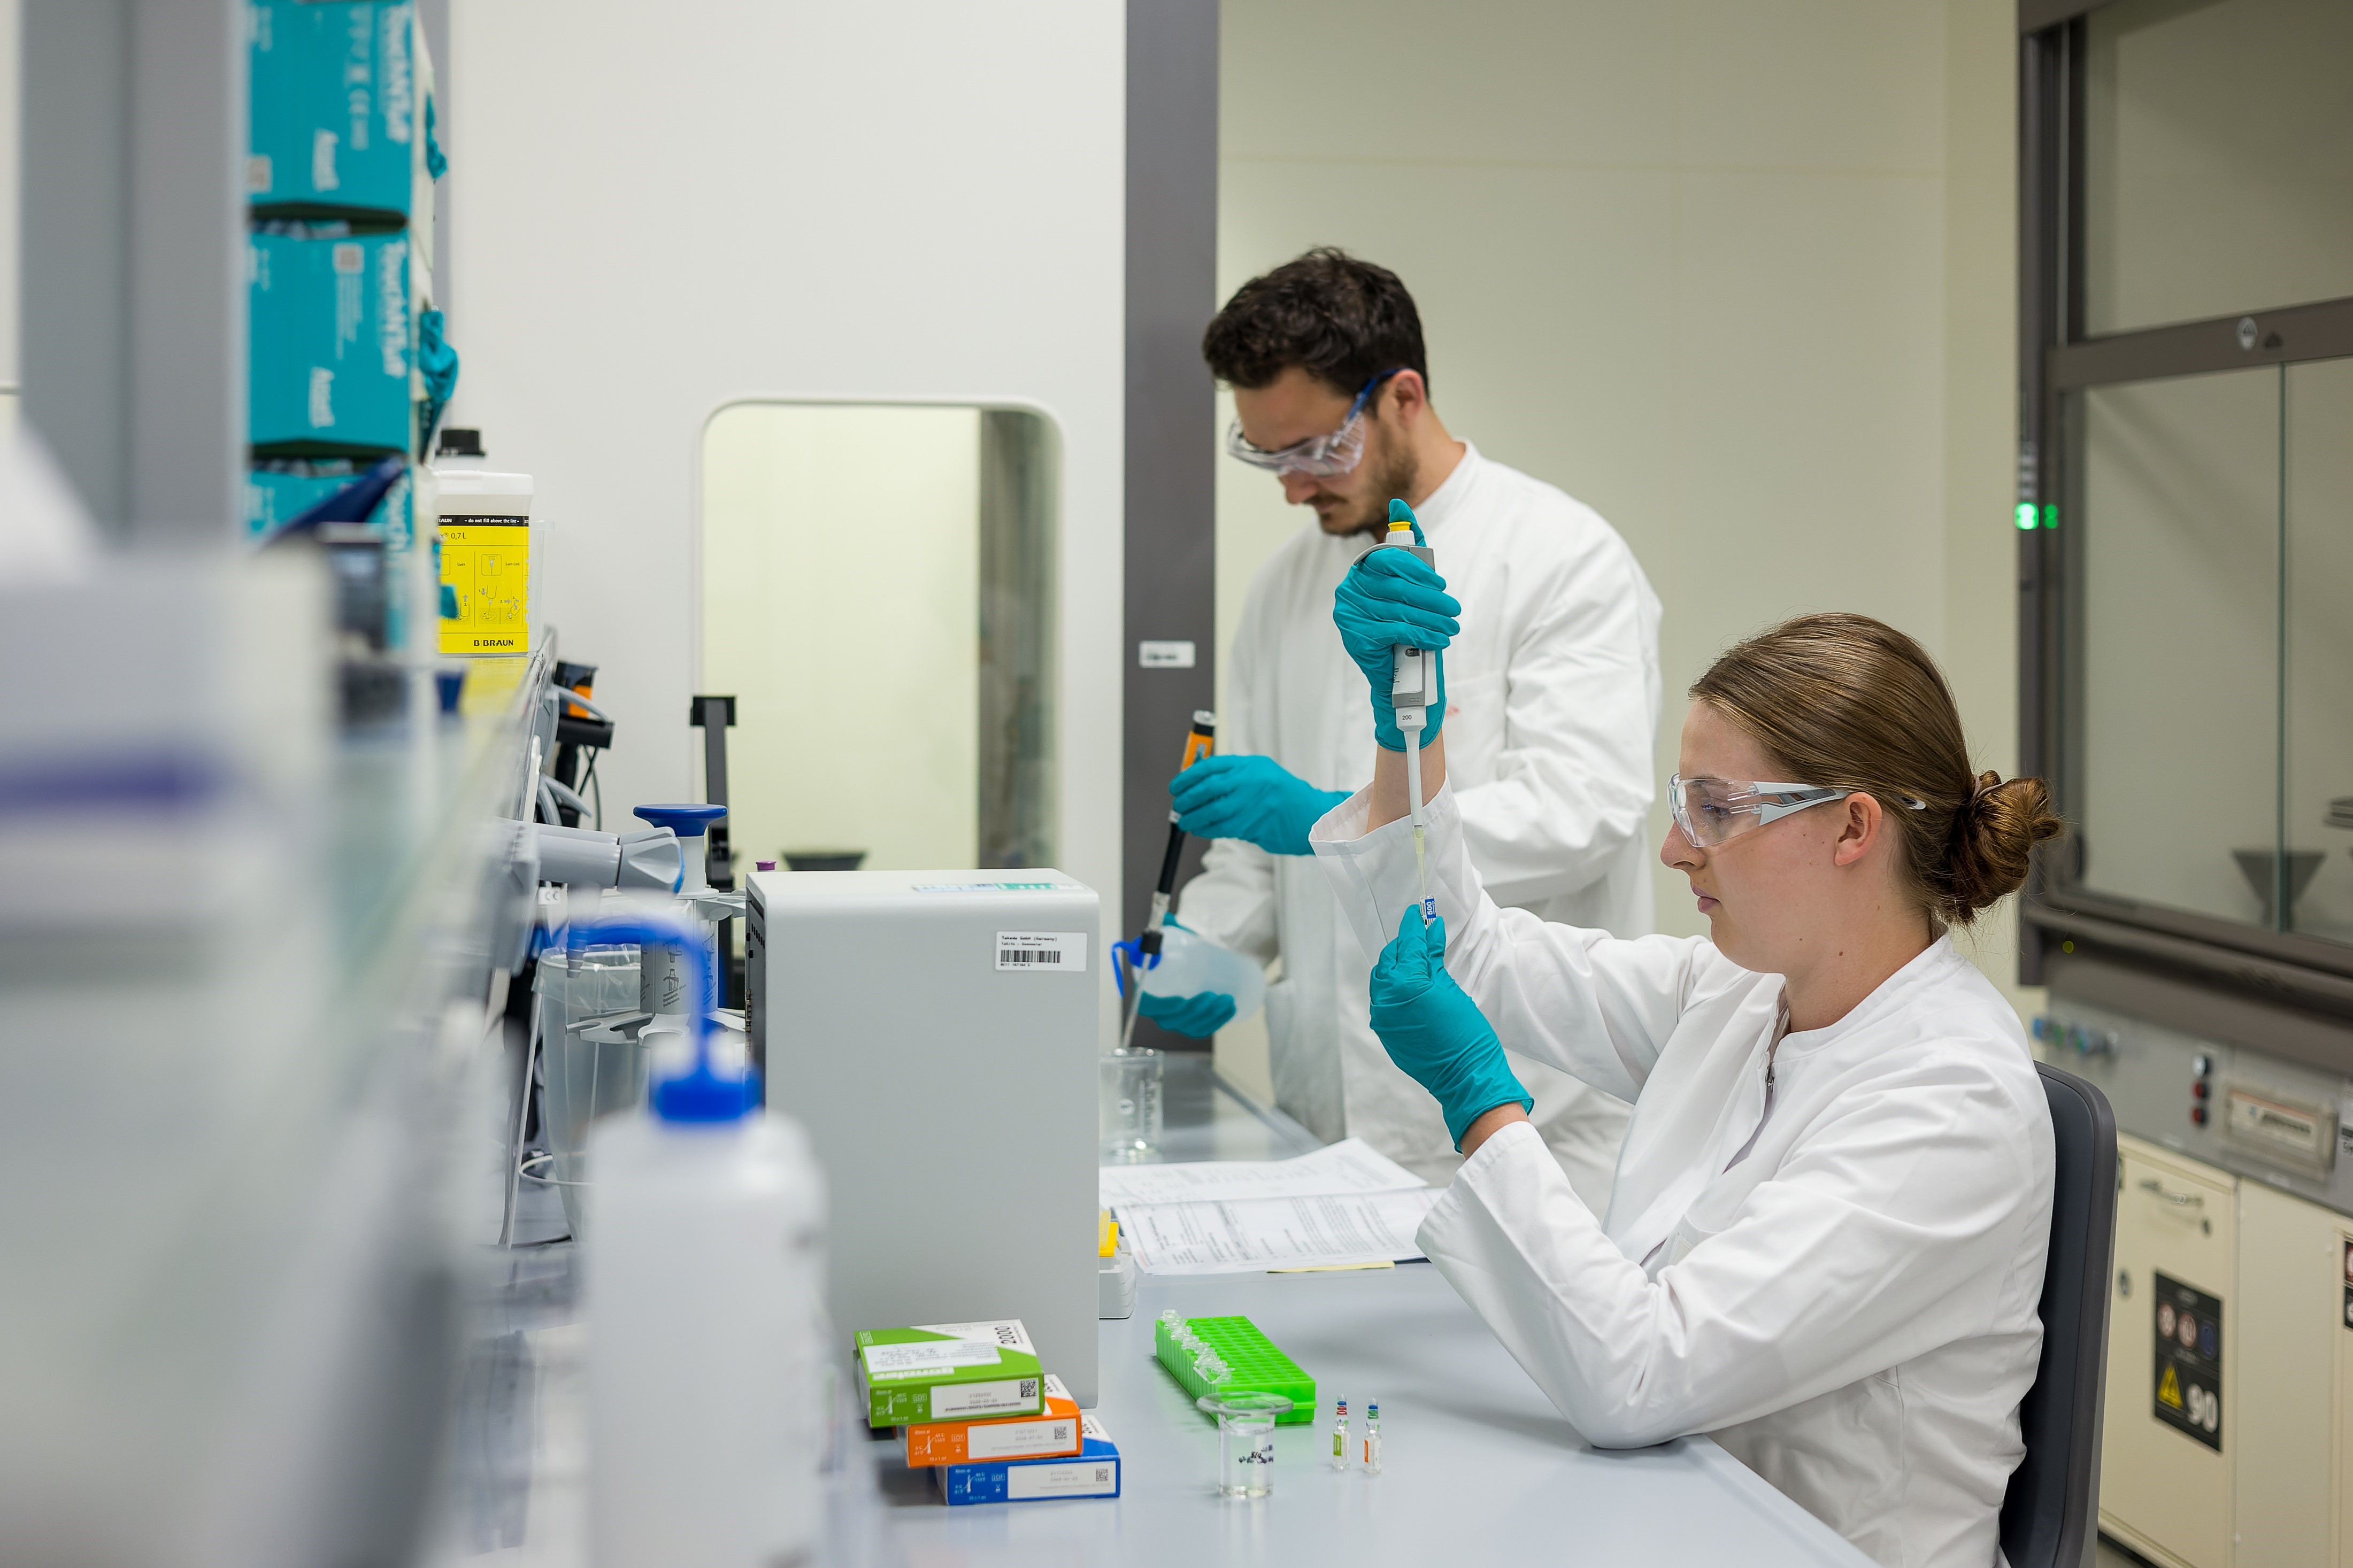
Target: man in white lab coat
(1552,704)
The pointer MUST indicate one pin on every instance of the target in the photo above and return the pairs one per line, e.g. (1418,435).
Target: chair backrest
(2047,1513)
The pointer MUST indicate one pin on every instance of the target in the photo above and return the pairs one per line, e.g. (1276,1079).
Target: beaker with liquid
(1128,1105)
(1245,1440)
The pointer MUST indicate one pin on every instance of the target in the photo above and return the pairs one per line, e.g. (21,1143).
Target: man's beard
(1394,471)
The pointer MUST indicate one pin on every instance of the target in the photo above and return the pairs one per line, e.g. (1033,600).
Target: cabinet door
(2164,1471)
(2290,1302)
(2341,1492)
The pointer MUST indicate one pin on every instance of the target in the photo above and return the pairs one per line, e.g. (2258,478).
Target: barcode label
(1042,951)
(1024,1483)
(1008,1396)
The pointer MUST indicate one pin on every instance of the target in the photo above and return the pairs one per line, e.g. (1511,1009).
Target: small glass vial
(1372,1439)
(1340,1435)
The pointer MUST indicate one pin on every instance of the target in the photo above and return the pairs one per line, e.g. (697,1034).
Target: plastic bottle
(1191,963)
(704,1286)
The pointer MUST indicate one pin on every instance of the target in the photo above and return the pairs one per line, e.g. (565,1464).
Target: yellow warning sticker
(2169,1391)
(486,565)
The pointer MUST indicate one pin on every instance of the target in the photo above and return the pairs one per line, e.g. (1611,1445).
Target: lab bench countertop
(1476,1461)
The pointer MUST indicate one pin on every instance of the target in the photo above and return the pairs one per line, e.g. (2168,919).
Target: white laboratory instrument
(705,1284)
(936,1031)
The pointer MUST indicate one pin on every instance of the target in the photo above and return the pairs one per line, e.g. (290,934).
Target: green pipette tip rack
(1255,1363)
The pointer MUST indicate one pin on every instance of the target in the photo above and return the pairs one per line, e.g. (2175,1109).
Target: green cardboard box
(949,1371)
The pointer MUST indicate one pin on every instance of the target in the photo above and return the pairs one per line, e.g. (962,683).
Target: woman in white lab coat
(1825,1241)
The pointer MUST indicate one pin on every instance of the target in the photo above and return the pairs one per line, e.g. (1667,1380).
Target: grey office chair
(2054,1496)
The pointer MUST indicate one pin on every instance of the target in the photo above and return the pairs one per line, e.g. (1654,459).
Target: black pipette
(1199,742)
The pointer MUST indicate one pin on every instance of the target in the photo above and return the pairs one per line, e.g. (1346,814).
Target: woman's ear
(1862,828)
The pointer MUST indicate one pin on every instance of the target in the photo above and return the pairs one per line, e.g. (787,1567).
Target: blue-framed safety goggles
(1322,456)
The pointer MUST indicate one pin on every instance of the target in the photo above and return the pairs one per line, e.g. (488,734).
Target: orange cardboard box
(1043,1436)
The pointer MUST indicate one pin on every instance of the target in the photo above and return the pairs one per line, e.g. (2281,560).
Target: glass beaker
(1245,1440)
(1128,1104)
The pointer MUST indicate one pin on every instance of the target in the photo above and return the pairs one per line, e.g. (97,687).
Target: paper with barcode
(1332,1230)
(1042,952)
(1351,1165)
(924,1354)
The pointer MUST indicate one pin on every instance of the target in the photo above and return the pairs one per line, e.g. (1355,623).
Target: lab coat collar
(1930,964)
(1453,495)
(1638,1236)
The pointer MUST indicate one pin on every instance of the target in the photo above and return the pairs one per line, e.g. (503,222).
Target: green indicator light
(2051,514)
(2026,516)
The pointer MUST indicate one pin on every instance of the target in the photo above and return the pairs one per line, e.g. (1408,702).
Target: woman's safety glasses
(1710,811)
(1322,456)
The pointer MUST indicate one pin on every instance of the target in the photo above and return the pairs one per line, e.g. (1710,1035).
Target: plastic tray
(1258,1364)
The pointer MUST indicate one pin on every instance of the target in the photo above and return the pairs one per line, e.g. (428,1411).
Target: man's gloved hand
(1198,1016)
(1436,1033)
(1390,597)
(1251,799)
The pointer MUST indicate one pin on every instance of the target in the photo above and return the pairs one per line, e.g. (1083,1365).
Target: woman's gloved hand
(1390,597)
(1434,1031)
(1252,798)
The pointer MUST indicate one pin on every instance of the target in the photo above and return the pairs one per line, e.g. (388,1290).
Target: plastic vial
(1372,1439)
(1340,1435)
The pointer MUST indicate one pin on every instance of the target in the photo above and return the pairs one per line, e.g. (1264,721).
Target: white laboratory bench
(1477,1462)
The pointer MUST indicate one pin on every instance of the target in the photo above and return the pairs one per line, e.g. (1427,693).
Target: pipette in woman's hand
(1412,688)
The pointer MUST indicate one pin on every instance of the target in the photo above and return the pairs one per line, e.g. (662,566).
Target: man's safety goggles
(1322,456)
(1710,811)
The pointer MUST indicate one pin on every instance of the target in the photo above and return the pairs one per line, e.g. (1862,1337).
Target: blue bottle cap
(703,1096)
(686,821)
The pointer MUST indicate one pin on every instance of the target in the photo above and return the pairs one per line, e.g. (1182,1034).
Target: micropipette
(1412,688)
(1199,742)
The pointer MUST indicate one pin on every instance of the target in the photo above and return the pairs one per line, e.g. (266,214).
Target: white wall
(660,210)
(1738,275)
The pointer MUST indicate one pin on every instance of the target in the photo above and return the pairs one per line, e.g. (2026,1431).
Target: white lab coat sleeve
(1231,900)
(1892,1228)
(1596,1007)
(1573,783)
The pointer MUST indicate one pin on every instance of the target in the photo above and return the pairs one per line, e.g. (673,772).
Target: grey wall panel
(1171,532)
(76,312)
(132,293)
(187,394)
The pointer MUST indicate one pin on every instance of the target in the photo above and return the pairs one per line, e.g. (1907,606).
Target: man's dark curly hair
(1342,320)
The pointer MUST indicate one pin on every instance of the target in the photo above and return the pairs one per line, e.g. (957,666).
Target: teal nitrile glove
(1389,597)
(1435,1032)
(1200,1015)
(1251,799)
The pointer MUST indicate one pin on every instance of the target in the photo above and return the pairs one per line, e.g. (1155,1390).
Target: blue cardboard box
(279,491)
(333,340)
(1093,1472)
(337,92)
